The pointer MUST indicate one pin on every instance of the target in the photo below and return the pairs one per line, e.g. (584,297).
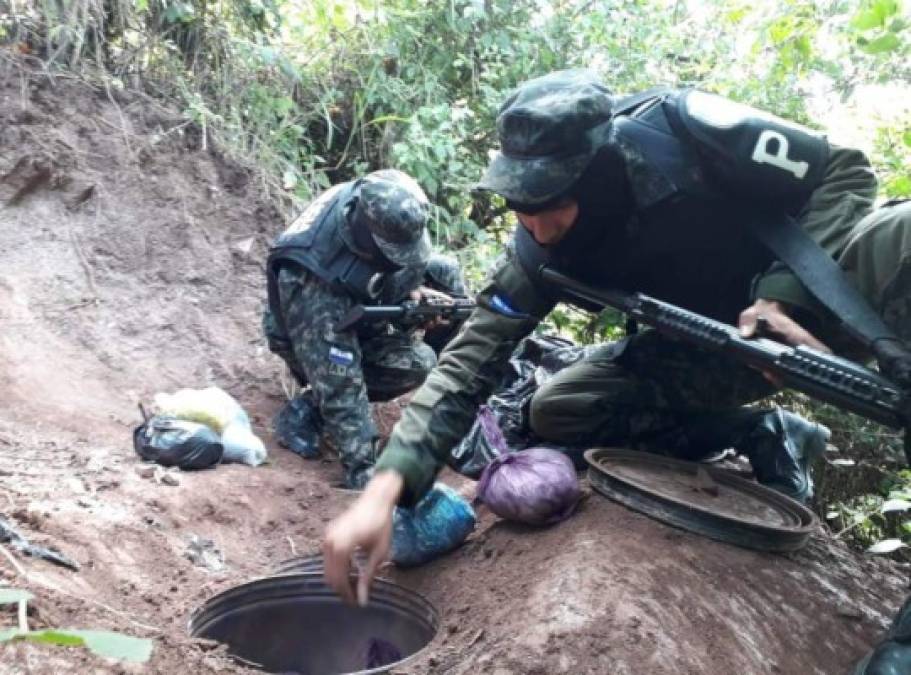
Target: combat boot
(781,446)
(892,656)
(299,425)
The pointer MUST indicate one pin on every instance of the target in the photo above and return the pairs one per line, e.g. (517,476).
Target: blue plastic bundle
(437,524)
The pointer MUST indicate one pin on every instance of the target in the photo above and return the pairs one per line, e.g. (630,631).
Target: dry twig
(14,563)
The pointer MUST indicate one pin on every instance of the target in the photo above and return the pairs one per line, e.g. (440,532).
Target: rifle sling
(822,276)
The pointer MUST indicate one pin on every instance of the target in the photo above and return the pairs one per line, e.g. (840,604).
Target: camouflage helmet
(393,208)
(549,128)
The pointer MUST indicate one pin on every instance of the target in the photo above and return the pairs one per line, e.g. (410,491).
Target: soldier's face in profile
(551,226)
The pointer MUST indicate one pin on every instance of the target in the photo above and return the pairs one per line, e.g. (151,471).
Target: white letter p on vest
(779,158)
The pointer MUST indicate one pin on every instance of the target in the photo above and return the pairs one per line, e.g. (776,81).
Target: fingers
(748,322)
(433,294)
(337,567)
(767,318)
(375,560)
(793,333)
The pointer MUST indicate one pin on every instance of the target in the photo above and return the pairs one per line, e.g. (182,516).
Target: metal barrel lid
(313,564)
(706,500)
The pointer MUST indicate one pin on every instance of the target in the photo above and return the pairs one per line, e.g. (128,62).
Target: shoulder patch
(502,306)
(341,357)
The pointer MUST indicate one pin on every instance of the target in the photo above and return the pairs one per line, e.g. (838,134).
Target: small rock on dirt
(146,470)
(203,553)
(169,478)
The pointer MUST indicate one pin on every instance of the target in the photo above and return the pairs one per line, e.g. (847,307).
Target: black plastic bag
(502,424)
(170,441)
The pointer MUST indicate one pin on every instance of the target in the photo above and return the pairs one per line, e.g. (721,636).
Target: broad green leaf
(9,596)
(882,44)
(339,19)
(866,20)
(387,118)
(781,31)
(8,634)
(803,46)
(875,14)
(895,505)
(906,138)
(886,546)
(103,643)
(179,12)
(322,180)
(114,645)
(53,637)
(735,16)
(886,8)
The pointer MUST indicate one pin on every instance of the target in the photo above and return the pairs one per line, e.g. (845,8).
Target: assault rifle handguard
(832,379)
(407,314)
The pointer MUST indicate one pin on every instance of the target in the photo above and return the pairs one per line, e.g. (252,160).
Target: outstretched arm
(439,415)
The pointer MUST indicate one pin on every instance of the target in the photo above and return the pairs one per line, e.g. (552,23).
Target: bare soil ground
(131,263)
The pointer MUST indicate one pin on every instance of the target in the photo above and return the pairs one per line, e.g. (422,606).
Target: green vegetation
(311,92)
(104,643)
(880,522)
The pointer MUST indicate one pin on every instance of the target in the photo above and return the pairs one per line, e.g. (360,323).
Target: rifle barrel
(832,379)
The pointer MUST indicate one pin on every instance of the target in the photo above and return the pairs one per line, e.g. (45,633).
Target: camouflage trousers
(345,370)
(391,365)
(654,392)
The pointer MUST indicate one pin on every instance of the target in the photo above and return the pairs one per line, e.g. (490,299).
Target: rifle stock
(843,383)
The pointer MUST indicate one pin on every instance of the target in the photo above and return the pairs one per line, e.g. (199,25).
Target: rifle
(843,383)
(408,313)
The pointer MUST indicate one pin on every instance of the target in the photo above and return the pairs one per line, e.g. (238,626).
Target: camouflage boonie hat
(395,210)
(549,129)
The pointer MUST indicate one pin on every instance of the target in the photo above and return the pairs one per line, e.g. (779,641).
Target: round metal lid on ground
(702,499)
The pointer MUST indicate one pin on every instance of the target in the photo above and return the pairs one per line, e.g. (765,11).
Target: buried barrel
(295,623)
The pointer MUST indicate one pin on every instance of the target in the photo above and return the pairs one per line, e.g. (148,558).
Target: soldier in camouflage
(362,242)
(646,193)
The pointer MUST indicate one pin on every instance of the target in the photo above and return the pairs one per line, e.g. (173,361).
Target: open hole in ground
(296,624)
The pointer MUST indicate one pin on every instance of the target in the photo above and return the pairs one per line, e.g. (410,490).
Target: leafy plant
(104,643)
(878,523)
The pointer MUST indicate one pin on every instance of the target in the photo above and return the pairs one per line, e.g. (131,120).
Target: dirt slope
(130,263)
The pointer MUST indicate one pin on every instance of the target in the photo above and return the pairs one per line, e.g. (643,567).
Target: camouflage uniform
(649,390)
(347,369)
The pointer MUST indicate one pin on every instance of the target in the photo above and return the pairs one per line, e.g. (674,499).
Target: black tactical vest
(683,243)
(314,242)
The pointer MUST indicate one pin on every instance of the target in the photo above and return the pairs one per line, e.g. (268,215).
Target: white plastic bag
(218,410)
